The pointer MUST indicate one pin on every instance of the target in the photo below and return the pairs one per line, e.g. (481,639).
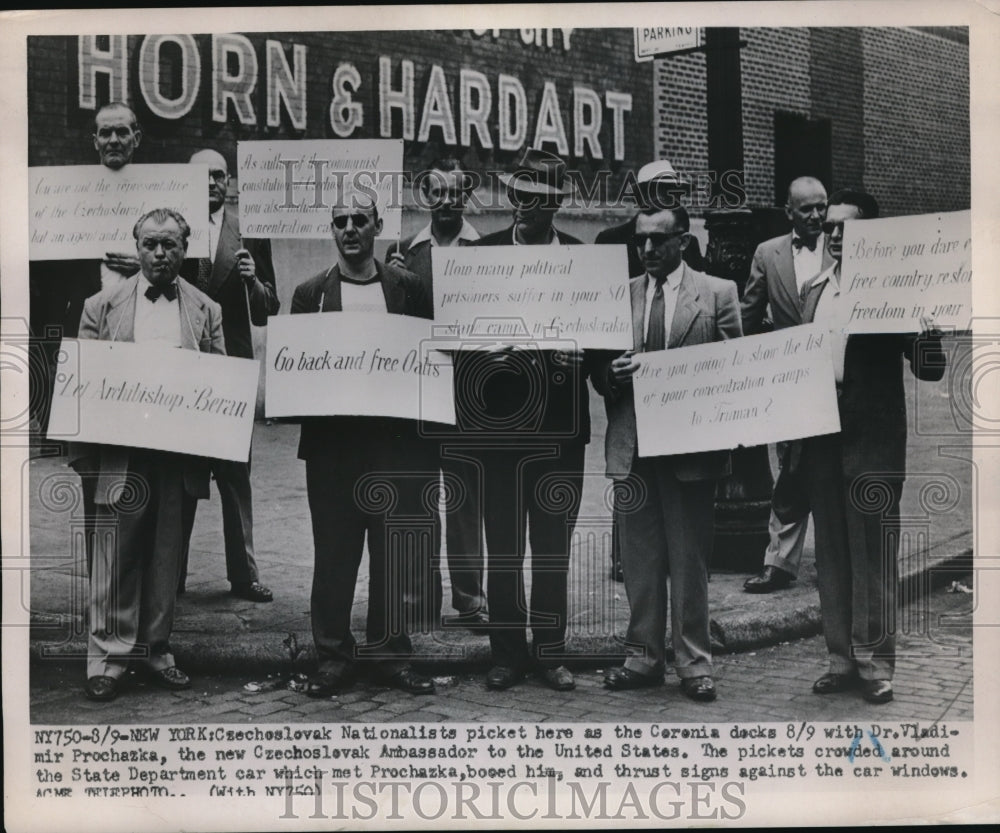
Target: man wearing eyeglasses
(854,479)
(239,275)
(443,189)
(781,268)
(671,529)
(344,453)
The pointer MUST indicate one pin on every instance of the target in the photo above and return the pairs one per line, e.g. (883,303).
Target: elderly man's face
(806,208)
(161,249)
(834,228)
(115,138)
(355,230)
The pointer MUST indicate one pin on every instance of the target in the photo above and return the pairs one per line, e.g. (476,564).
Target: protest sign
(899,270)
(153,396)
(82,212)
(337,363)
(288,188)
(576,293)
(743,392)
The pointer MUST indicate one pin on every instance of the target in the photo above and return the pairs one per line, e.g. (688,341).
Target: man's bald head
(806,207)
(218,176)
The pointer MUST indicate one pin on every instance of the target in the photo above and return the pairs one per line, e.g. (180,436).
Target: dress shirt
(670,286)
(214,224)
(830,311)
(808,264)
(553,242)
(467,233)
(158,320)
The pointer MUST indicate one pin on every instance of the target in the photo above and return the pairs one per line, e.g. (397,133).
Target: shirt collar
(467,232)
(553,242)
(820,242)
(144,283)
(673,280)
(216,216)
(828,275)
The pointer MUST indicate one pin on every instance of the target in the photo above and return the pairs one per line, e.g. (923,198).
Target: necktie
(799,243)
(204,273)
(168,291)
(655,331)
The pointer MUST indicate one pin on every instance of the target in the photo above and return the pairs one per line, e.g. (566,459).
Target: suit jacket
(707,310)
(405,294)
(562,415)
(226,285)
(872,397)
(625,233)
(417,256)
(110,316)
(772,279)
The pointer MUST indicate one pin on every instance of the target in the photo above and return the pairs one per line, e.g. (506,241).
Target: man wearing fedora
(531,407)
(657,183)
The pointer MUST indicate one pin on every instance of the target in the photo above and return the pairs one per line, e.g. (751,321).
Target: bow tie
(168,291)
(800,243)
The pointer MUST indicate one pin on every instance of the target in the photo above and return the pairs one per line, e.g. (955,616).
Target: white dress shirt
(214,226)
(808,264)
(156,321)
(670,287)
(467,233)
(830,310)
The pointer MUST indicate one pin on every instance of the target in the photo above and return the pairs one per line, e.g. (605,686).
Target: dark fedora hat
(538,172)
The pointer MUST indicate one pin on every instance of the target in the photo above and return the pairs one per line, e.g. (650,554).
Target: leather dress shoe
(252,591)
(876,691)
(701,689)
(475,621)
(768,580)
(833,683)
(625,679)
(172,678)
(408,680)
(101,689)
(502,676)
(327,683)
(558,679)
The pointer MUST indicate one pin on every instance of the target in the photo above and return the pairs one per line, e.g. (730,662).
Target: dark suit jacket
(625,233)
(110,316)
(772,279)
(226,285)
(418,257)
(405,294)
(872,399)
(707,310)
(563,414)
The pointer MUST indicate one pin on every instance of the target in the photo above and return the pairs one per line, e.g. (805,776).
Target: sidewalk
(215,632)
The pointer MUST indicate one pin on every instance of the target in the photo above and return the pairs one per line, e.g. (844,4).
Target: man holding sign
(855,478)
(671,528)
(146,494)
(353,461)
(240,277)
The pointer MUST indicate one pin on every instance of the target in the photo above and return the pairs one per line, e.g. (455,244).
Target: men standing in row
(58,288)
(671,530)
(340,453)
(781,268)
(238,275)
(443,188)
(147,495)
(855,478)
(535,419)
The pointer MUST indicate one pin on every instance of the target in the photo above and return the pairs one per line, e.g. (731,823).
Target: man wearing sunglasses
(443,189)
(854,479)
(781,268)
(671,530)
(239,275)
(343,455)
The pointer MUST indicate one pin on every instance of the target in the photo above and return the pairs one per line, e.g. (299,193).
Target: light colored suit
(144,495)
(772,283)
(671,521)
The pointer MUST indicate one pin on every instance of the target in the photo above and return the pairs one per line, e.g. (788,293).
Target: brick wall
(680,101)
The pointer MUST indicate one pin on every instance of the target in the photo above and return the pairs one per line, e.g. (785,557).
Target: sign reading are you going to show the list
(82,212)
(577,295)
(356,364)
(154,396)
(743,392)
(288,188)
